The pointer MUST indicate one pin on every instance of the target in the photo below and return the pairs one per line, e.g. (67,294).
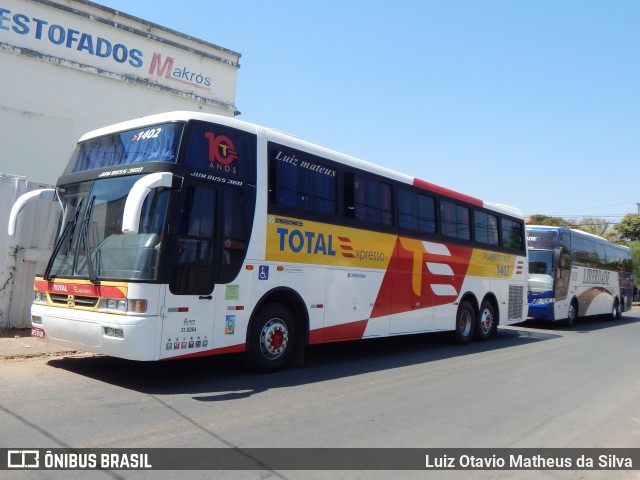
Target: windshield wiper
(84,238)
(67,232)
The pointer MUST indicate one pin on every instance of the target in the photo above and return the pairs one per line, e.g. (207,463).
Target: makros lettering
(595,277)
(165,68)
(60,35)
(41,30)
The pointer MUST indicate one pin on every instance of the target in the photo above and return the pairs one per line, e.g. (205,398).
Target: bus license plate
(37,332)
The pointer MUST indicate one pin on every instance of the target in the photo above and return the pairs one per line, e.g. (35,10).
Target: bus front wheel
(616,311)
(572,314)
(272,338)
(465,323)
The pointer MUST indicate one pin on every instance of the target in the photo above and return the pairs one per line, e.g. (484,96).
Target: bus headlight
(117,305)
(543,301)
(123,305)
(40,297)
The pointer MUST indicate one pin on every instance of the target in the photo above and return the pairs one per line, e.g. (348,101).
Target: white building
(71,66)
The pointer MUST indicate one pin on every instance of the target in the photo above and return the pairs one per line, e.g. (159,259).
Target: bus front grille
(73,300)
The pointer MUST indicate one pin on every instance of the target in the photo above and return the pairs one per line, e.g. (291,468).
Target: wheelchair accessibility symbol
(263,272)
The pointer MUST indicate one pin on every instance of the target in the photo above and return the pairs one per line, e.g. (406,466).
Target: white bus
(576,274)
(188,234)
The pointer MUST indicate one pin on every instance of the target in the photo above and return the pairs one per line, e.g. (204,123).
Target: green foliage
(635,252)
(629,227)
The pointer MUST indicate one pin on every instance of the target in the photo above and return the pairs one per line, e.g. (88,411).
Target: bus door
(209,240)
(188,314)
(562,263)
(562,276)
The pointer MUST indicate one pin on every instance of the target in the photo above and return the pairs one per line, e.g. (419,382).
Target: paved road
(533,386)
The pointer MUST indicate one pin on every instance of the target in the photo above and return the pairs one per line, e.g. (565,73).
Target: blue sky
(535,104)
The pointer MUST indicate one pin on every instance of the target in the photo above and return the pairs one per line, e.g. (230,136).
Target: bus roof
(272,134)
(574,231)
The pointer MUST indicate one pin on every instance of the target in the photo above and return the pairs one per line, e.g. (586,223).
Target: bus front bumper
(541,311)
(122,336)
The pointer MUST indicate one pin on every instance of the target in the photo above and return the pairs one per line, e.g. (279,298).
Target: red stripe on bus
(397,295)
(430,187)
(86,289)
(348,331)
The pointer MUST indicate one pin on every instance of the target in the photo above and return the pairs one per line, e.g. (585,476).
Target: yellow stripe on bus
(303,241)
(485,263)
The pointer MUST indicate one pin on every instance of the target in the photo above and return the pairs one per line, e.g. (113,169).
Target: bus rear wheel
(271,339)
(487,323)
(465,323)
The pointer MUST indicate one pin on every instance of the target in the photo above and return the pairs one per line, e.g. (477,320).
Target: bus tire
(487,323)
(616,310)
(465,323)
(271,339)
(572,314)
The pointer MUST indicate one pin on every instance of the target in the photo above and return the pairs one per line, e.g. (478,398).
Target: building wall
(71,66)
(31,244)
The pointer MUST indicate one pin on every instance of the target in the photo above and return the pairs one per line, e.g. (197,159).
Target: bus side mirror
(44,194)
(137,196)
(557,256)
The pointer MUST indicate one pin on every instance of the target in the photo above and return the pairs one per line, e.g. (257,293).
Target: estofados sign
(51,34)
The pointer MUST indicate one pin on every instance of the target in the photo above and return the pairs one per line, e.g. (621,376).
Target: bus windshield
(157,143)
(540,271)
(91,243)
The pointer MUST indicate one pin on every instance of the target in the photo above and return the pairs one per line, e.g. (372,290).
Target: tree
(540,219)
(598,226)
(635,252)
(629,227)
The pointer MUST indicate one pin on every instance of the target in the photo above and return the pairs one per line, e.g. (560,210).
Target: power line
(634,202)
(589,216)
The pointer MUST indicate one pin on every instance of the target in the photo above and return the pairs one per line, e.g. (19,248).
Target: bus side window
(236,219)
(455,220)
(367,199)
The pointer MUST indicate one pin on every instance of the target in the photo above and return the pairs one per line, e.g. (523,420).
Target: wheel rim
(486,321)
(572,312)
(274,338)
(464,324)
